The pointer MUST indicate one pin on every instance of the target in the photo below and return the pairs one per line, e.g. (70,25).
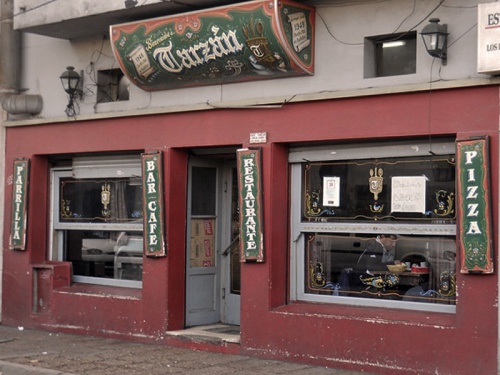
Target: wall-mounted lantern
(435,37)
(72,84)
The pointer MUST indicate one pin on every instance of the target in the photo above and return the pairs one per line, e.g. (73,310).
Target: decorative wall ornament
(106,199)
(445,203)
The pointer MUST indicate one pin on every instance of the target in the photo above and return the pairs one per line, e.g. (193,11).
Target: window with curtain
(97,220)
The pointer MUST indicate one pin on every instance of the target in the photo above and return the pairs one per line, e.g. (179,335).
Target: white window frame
(98,167)
(297,156)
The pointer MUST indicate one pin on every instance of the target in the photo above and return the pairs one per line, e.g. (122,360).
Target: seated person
(378,253)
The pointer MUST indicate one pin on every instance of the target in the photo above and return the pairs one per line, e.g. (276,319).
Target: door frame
(225,306)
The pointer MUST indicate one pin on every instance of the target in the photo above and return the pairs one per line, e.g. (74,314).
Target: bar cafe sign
(475,232)
(250,199)
(152,197)
(242,42)
(19,205)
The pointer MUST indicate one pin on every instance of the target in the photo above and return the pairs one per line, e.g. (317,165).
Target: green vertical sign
(475,237)
(19,205)
(152,192)
(250,198)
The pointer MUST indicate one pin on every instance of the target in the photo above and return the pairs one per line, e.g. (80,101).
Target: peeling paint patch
(369,320)
(334,361)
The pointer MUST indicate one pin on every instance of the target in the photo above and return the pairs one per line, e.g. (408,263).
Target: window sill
(381,315)
(102,291)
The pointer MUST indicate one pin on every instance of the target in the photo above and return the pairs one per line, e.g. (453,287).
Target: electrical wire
(396,36)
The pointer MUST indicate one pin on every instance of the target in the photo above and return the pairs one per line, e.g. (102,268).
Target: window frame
(353,151)
(103,168)
(375,65)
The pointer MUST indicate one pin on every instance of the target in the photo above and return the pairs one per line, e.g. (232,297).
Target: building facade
(342,215)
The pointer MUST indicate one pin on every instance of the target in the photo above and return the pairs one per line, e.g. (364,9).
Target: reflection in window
(377,231)
(97,221)
(406,268)
(105,254)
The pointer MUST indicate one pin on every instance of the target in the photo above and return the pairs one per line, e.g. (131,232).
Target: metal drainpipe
(9,85)
(10,57)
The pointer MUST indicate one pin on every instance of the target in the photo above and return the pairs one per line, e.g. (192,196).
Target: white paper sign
(408,194)
(331,191)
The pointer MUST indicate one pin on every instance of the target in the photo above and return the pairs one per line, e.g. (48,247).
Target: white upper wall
(341,27)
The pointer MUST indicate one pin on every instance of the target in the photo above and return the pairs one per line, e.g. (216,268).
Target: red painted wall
(388,341)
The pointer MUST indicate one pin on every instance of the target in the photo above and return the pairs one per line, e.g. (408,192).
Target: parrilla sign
(475,235)
(248,41)
(152,191)
(250,198)
(19,205)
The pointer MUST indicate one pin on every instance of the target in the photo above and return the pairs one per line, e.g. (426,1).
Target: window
(112,86)
(97,219)
(374,224)
(390,55)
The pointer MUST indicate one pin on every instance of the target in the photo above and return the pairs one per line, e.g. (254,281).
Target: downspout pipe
(10,45)
(11,100)
(9,85)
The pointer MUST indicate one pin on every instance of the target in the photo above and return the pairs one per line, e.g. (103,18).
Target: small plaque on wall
(250,198)
(152,193)
(474,229)
(19,205)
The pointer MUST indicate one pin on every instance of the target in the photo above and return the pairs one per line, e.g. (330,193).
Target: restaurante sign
(248,41)
(250,203)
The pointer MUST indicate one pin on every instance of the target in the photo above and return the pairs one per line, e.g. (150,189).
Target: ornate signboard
(152,192)
(475,235)
(242,42)
(19,205)
(250,198)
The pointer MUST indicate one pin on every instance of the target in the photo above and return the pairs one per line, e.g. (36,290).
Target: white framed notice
(408,193)
(331,191)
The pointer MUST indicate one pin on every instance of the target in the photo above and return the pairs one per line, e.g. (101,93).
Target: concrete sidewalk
(29,352)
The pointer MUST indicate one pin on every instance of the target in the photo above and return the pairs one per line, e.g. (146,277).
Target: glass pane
(203,185)
(407,268)
(396,56)
(106,254)
(411,189)
(100,200)
(235,273)
(202,243)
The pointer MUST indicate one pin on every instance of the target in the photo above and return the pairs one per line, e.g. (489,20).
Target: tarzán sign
(19,205)
(250,198)
(473,183)
(153,211)
(242,42)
